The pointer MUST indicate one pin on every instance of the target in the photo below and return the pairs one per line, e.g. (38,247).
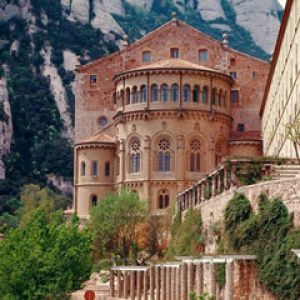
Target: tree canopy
(44,259)
(114,222)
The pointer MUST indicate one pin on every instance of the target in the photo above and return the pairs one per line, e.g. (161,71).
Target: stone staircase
(286,171)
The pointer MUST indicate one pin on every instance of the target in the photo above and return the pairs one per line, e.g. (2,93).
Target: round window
(102,121)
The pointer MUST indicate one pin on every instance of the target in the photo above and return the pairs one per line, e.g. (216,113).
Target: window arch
(154,93)
(205,95)
(128,96)
(186,93)
(164,154)
(214,96)
(163,199)
(164,92)
(175,92)
(196,93)
(94,200)
(143,93)
(135,155)
(195,148)
(94,168)
(82,169)
(135,94)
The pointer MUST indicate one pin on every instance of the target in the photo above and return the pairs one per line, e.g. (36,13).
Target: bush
(187,237)
(268,234)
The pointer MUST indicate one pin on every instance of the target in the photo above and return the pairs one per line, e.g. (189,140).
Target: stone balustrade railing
(175,281)
(224,178)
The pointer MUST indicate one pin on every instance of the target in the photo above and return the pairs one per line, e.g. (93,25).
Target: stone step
(282,167)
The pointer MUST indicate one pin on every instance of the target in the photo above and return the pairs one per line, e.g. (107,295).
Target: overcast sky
(282,2)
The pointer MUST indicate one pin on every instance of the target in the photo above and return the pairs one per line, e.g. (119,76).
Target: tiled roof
(175,64)
(98,138)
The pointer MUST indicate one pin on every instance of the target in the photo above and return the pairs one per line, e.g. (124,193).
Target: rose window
(164,144)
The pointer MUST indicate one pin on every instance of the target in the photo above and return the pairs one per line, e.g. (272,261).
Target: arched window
(154,93)
(195,146)
(128,95)
(163,199)
(196,93)
(164,155)
(135,95)
(135,156)
(94,201)
(107,169)
(94,168)
(186,93)
(174,92)
(164,92)
(143,93)
(214,96)
(82,168)
(205,95)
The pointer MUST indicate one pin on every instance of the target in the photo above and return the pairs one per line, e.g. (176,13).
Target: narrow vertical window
(164,92)
(154,93)
(135,95)
(163,199)
(93,79)
(175,92)
(205,95)
(203,55)
(214,96)
(174,53)
(196,93)
(146,56)
(94,201)
(94,168)
(83,169)
(186,93)
(128,95)
(143,93)
(234,96)
(135,156)
(107,169)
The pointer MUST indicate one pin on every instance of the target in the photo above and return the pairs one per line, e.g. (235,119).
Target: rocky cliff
(41,41)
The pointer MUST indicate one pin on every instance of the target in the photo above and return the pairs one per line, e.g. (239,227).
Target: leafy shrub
(187,236)
(268,234)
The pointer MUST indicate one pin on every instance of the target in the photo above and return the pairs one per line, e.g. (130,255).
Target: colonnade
(176,281)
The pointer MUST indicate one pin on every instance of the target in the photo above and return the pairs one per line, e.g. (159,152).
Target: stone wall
(213,210)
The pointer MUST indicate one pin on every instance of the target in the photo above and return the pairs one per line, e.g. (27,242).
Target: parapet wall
(288,190)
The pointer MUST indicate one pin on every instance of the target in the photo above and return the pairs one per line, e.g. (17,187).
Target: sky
(282,2)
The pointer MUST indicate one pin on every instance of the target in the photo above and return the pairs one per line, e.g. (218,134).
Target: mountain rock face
(5,125)
(41,42)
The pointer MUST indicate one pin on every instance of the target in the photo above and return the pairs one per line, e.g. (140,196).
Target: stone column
(125,286)
(212,278)
(112,283)
(183,282)
(132,285)
(190,278)
(139,285)
(214,185)
(163,282)
(152,283)
(122,160)
(119,284)
(181,161)
(157,282)
(228,295)
(146,167)
(173,283)
(178,281)
(146,273)
(227,178)
(199,279)
(168,283)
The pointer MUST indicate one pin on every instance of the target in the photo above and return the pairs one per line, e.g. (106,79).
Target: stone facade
(281,103)
(162,113)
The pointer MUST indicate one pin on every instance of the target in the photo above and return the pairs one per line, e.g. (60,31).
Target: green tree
(33,197)
(114,223)
(44,259)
